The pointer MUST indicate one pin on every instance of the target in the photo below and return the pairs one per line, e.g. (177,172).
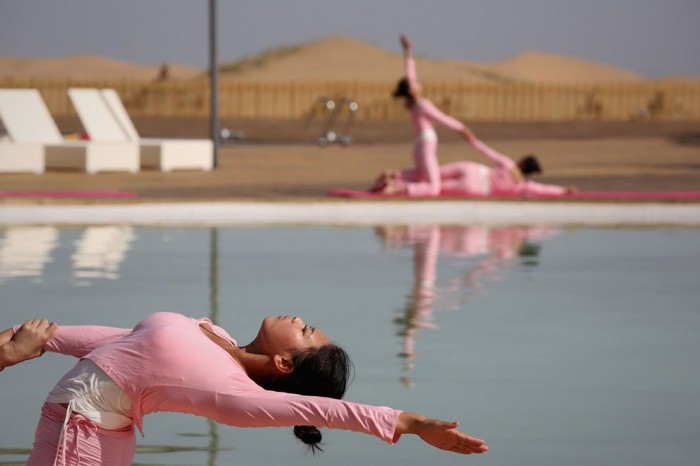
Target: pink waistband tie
(76,422)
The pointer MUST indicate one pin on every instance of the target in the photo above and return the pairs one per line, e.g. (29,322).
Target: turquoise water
(559,347)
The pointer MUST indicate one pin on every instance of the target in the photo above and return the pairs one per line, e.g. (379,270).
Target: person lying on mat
(465,178)
(429,178)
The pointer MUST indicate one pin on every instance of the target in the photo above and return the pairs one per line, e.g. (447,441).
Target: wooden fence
(469,102)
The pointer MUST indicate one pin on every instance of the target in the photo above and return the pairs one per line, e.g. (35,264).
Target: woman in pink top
(506,178)
(429,178)
(424,178)
(289,375)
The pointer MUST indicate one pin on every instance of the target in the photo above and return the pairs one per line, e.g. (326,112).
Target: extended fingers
(466,444)
(470,445)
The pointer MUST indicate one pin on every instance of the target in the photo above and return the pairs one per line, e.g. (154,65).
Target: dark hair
(320,371)
(529,164)
(529,250)
(403,88)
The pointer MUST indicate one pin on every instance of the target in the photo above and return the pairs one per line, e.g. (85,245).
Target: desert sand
(87,67)
(331,59)
(645,157)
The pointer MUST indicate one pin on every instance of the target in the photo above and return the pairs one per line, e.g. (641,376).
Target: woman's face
(285,334)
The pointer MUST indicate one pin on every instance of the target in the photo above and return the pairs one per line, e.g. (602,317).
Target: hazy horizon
(650,37)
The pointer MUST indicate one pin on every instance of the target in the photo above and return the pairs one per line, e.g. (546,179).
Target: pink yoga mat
(77,194)
(603,195)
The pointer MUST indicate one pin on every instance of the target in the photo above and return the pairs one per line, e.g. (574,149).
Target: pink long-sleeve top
(424,112)
(501,181)
(166,363)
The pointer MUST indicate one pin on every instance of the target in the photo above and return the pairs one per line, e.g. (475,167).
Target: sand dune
(87,67)
(336,58)
(342,58)
(533,66)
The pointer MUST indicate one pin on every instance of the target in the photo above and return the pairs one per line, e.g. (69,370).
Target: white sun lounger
(33,131)
(21,151)
(163,154)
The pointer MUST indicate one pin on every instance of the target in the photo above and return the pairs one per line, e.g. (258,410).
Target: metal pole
(213,82)
(213,447)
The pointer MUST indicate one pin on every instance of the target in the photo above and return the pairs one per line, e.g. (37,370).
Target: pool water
(557,346)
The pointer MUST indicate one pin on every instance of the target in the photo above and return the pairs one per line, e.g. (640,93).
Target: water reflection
(485,253)
(98,254)
(100,251)
(25,251)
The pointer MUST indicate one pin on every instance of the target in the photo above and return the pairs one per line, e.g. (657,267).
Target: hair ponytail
(311,436)
(321,371)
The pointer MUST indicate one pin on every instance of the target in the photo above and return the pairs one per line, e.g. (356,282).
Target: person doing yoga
(291,374)
(428,178)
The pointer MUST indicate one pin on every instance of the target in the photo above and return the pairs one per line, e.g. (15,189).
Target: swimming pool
(558,346)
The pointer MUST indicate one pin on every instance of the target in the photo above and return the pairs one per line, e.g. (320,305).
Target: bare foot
(382,180)
(394,186)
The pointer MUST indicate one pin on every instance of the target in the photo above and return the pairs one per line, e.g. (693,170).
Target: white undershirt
(485,181)
(94,395)
(427,135)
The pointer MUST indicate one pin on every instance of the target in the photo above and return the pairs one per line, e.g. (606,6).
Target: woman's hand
(28,342)
(405,43)
(440,434)
(468,135)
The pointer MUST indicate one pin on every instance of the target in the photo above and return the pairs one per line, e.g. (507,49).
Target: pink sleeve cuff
(397,436)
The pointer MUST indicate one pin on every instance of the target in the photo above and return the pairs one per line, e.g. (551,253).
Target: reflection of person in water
(495,247)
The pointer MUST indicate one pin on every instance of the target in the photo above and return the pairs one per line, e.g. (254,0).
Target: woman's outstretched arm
(409,62)
(440,434)
(492,154)
(26,343)
(244,407)
(19,342)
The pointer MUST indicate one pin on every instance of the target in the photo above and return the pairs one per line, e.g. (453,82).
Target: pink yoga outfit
(470,178)
(424,178)
(429,178)
(166,363)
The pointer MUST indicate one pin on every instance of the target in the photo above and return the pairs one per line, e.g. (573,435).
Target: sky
(650,37)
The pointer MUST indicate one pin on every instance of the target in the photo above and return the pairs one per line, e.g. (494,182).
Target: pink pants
(428,178)
(424,179)
(465,178)
(86,444)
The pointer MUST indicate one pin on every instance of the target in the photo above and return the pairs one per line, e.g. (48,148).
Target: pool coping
(355,213)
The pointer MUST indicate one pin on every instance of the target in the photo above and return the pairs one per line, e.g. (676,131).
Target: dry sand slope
(331,59)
